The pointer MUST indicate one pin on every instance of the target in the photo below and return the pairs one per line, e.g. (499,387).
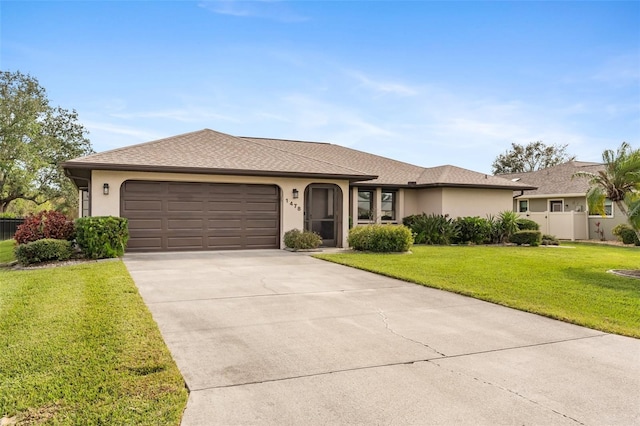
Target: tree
(619,182)
(533,156)
(34,139)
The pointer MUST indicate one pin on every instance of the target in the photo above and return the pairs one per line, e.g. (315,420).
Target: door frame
(337,219)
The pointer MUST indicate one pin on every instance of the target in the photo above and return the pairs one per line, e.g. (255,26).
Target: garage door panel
(135,224)
(142,187)
(178,224)
(225,223)
(200,216)
(144,243)
(226,206)
(143,205)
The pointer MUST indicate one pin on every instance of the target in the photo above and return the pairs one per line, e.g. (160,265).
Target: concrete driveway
(272,337)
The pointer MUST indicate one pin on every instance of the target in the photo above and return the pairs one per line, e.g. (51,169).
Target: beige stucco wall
(291,217)
(460,202)
(429,201)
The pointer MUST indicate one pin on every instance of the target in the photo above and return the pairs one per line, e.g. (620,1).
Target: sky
(425,82)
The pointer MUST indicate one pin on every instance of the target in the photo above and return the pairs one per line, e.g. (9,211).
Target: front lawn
(6,251)
(567,283)
(78,346)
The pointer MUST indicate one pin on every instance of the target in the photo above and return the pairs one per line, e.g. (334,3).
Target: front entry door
(323,212)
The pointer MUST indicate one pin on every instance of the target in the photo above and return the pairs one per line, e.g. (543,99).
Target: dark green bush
(533,238)
(299,240)
(549,240)
(431,229)
(527,225)
(475,230)
(381,238)
(102,237)
(626,234)
(44,250)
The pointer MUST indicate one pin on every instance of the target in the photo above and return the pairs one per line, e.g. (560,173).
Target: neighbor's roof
(557,180)
(211,152)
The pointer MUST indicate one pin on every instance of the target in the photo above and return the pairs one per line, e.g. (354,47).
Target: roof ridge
(303,156)
(285,140)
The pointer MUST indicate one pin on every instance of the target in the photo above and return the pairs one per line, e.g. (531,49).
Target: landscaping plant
(302,240)
(381,238)
(101,237)
(431,229)
(532,238)
(46,224)
(475,230)
(43,250)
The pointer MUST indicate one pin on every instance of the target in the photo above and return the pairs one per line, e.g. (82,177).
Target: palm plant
(619,182)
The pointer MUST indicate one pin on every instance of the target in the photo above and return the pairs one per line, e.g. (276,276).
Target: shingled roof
(211,152)
(556,180)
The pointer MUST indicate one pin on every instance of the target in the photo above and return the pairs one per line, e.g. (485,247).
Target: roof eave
(77,169)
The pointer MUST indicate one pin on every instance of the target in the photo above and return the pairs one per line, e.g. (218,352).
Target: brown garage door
(200,216)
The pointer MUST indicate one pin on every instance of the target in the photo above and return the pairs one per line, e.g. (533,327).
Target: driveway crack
(511,391)
(266,286)
(386,324)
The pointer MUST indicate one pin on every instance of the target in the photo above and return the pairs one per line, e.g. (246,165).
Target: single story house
(208,190)
(559,202)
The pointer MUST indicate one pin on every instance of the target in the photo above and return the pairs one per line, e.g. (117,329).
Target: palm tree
(619,182)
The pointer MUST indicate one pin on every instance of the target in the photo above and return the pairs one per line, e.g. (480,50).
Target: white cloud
(266,9)
(185,115)
(384,87)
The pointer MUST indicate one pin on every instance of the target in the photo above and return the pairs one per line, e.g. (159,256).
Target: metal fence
(8,228)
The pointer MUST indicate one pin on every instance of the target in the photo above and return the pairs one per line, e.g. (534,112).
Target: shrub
(302,240)
(431,229)
(549,240)
(43,250)
(47,224)
(533,238)
(474,230)
(503,226)
(102,237)
(527,225)
(381,238)
(626,234)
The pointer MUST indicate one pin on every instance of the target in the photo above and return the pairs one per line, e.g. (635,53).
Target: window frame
(394,205)
(371,209)
(558,200)
(611,204)
(520,200)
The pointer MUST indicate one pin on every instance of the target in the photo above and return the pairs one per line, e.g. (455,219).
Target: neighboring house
(559,204)
(209,190)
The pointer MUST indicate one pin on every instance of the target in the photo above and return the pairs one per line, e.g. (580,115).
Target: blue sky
(429,83)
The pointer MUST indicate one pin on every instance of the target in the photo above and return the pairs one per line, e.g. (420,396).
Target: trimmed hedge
(302,240)
(101,237)
(381,238)
(527,225)
(47,224)
(44,250)
(533,238)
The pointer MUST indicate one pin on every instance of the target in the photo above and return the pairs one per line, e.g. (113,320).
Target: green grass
(6,251)
(78,346)
(569,284)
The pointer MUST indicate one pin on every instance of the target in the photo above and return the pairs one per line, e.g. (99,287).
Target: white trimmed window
(556,206)
(523,206)
(608,209)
